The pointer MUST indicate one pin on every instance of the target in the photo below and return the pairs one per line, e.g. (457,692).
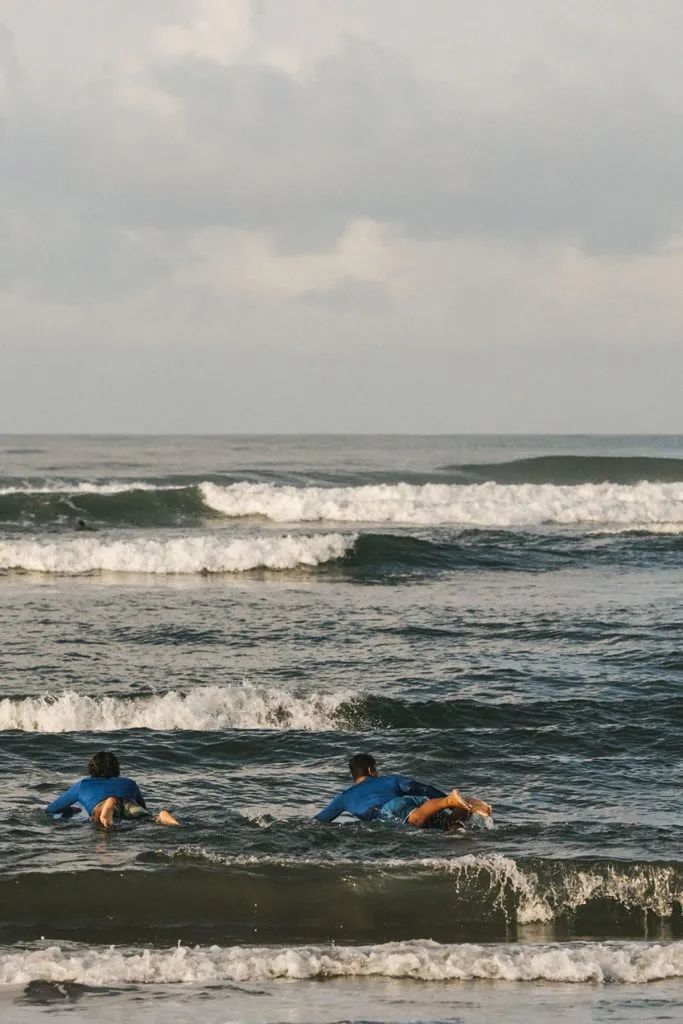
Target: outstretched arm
(65,801)
(332,811)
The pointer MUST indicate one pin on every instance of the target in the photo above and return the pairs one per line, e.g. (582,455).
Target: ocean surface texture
(234,617)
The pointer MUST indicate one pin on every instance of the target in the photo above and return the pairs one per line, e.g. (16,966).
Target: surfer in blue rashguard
(375,797)
(106,795)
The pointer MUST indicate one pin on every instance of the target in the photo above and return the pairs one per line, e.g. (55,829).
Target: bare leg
(166,818)
(104,812)
(429,808)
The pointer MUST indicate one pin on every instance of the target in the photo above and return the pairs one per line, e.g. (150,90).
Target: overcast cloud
(290,215)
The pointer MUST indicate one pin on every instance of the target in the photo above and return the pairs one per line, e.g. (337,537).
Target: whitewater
(170,555)
(212,708)
(486,504)
(580,963)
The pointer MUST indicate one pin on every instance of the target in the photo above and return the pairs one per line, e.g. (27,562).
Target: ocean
(234,617)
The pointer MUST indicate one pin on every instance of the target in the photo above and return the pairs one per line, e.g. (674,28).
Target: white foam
(179,554)
(486,504)
(594,962)
(207,708)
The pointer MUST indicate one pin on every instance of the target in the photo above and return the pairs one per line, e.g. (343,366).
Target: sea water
(234,617)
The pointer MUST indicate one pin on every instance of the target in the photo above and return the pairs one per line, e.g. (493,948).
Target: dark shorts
(398,809)
(128,810)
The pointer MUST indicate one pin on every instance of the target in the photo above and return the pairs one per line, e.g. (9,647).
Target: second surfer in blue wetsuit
(394,797)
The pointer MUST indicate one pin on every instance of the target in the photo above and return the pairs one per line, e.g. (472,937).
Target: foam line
(578,963)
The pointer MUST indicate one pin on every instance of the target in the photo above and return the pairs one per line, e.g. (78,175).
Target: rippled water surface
(235,616)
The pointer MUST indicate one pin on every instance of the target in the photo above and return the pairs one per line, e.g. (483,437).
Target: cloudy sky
(341,215)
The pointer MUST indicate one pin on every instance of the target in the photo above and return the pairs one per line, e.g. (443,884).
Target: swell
(137,506)
(573,469)
(216,708)
(194,896)
(386,555)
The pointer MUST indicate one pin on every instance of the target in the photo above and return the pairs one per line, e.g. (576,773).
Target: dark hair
(362,764)
(104,765)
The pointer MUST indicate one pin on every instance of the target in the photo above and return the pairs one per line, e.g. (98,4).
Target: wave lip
(206,709)
(79,555)
(87,487)
(483,504)
(420,960)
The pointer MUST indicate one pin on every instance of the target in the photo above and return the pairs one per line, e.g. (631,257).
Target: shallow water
(241,614)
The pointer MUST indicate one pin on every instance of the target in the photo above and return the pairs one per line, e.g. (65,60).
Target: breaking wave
(175,555)
(486,504)
(479,504)
(207,708)
(534,891)
(246,706)
(579,963)
(196,895)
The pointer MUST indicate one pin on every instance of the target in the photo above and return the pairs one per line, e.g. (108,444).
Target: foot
(166,818)
(104,812)
(455,800)
(481,807)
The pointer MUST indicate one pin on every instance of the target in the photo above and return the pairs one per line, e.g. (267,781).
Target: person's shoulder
(353,788)
(127,780)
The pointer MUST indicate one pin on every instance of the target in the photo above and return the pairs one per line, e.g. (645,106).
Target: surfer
(393,797)
(80,525)
(106,795)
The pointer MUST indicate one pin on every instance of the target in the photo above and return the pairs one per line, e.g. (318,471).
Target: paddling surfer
(107,796)
(374,797)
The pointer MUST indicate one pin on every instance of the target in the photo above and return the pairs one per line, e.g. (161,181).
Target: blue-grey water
(234,616)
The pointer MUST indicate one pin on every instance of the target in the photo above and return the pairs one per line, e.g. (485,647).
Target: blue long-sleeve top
(365,799)
(90,792)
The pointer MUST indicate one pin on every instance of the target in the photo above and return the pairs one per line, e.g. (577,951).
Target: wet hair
(104,765)
(362,764)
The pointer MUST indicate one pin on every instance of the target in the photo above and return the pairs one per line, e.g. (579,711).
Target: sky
(261,216)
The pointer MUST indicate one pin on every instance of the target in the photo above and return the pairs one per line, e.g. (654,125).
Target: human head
(362,764)
(104,765)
